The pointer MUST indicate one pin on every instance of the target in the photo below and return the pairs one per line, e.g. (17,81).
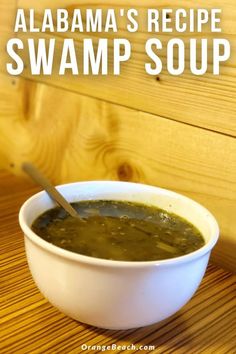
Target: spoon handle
(37,176)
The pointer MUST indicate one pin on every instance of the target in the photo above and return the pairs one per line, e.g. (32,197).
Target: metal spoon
(39,178)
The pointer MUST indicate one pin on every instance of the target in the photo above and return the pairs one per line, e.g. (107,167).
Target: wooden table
(29,324)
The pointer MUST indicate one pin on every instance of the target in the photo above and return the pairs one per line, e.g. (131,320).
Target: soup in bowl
(137,259)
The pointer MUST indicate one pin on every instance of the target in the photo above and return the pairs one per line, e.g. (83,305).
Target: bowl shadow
(155,335)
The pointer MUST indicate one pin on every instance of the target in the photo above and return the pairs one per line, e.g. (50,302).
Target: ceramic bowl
(117,294)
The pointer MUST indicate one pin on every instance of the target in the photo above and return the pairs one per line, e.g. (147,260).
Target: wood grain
(72,137)
(207,101)
(31,325)
(7,17)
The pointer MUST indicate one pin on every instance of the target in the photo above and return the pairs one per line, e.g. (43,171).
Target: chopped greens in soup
(119,230)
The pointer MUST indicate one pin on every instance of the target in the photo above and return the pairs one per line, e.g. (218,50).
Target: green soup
(119,230)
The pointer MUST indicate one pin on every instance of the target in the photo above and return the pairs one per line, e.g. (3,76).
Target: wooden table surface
(29,324)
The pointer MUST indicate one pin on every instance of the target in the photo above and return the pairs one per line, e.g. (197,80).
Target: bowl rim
(31,235)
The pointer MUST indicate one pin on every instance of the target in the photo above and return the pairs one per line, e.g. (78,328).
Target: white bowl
(117,294)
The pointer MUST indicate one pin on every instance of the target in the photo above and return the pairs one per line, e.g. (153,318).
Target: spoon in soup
(39,178)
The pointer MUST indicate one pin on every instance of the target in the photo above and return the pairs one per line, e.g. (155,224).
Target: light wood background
(174,132)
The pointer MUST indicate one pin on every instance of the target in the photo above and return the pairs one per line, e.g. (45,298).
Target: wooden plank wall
(199,101)
(7,17)
(175,132)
